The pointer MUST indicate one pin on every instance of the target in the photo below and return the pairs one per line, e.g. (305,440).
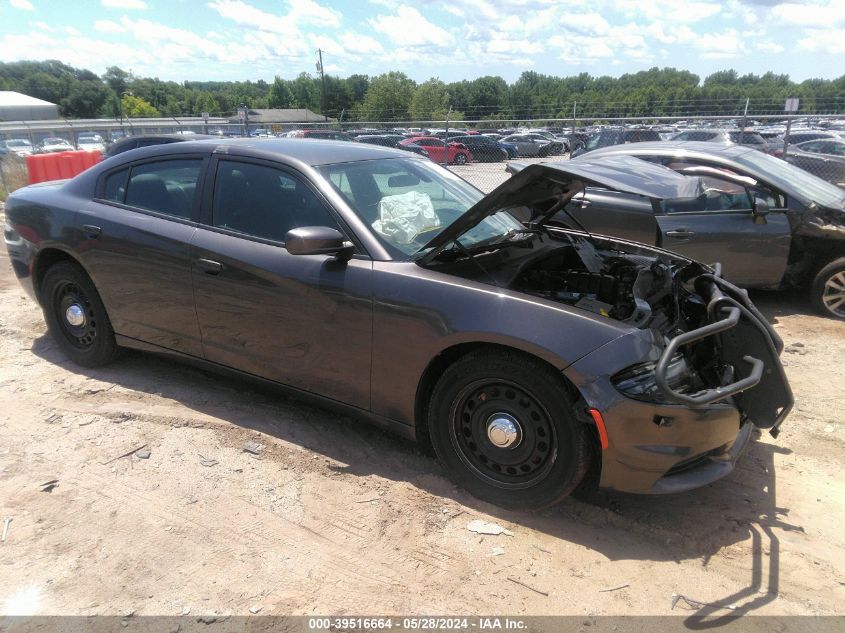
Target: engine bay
(645,288)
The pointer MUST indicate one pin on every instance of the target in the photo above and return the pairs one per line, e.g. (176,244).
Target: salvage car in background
(148,140)
(530,145)
(614,136)
(769,223)
(440,151)
(724,137)
(90,142)
(484,149)
(824,158)
(19,146)
(380,281)
(54,144)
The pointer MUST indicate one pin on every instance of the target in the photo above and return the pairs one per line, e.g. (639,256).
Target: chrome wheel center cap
(503,430)
(75,315)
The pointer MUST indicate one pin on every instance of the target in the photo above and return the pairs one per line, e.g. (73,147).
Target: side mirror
(318,240)
(761,210)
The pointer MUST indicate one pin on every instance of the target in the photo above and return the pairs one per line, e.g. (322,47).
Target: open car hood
(544,181)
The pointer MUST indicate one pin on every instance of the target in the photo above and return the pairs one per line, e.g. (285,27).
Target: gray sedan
(375,281)
(824,157)
(530,144)
(769,223)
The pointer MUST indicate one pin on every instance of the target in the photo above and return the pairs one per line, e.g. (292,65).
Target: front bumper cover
(692,439)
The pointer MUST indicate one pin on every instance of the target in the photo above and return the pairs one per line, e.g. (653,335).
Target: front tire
(503,427)
(76,317)
(828,289)
(460,159)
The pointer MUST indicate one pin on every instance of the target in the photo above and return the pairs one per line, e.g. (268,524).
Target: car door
(614,213)
(136,237)
(721,226)
(302,320)
(436,149)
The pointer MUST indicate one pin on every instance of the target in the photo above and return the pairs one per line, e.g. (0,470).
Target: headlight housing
(639,383)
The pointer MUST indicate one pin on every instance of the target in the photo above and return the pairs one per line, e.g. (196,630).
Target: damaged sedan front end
(673,401)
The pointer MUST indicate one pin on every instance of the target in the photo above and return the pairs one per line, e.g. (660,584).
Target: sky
(450,39)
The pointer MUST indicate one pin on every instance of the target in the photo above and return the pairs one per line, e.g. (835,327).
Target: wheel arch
(45,259)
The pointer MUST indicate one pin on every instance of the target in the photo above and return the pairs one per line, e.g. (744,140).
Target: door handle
(209,266)
(91,232)
(682,234)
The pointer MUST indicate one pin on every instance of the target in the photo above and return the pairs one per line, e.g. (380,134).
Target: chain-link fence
(478,150)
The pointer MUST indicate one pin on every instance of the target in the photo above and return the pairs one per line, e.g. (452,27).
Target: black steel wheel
(503,427)
(75,315)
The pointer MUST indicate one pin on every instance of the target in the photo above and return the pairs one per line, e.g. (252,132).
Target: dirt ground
(335,517)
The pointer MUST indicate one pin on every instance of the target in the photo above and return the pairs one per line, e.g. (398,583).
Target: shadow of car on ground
(693,525)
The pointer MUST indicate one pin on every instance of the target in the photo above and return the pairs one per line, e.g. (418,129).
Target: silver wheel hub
(75,315)
(833,296)
(503,430)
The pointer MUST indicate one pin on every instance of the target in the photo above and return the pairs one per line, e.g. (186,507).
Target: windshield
(790,177)
(407,202)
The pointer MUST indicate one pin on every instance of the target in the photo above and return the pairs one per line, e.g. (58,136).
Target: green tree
(280,94)
(389,97)
(136,107)
(430,98)
(85,100)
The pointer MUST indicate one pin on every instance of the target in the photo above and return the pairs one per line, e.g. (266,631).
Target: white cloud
(585,23)
(24,5)
(108,26)
(670,10)
(310,12)
(301,12)
(124,4)
(362,44)
(769,46)
(830,41)
(727,44)
(42,26)
(410,28)
(822,15)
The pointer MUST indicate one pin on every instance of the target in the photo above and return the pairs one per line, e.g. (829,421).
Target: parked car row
(52,144)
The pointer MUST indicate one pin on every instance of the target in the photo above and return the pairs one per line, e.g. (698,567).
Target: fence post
(744,123)
(446,140)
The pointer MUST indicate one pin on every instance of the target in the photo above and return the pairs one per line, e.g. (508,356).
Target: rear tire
(76,317)
(827,291)
(460,159)
(503,427)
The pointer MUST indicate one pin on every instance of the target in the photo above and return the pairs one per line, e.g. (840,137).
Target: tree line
(393,96)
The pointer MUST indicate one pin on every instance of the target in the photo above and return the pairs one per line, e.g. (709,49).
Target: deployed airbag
(403,216)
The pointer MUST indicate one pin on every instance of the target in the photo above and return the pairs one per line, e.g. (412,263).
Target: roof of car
(311,152)
(669,148)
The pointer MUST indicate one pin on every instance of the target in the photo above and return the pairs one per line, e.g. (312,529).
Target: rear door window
(167,186)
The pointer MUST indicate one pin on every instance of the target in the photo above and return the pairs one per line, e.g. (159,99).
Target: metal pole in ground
(446,139)
(744,123)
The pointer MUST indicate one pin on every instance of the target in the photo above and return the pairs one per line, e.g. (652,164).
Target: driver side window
(717,195)
(264,202)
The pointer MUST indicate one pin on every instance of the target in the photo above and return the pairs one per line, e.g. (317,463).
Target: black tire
(461,159)
(827,291)
(68,293)
(549,451)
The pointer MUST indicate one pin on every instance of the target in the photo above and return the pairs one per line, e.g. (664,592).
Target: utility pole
(323,83)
